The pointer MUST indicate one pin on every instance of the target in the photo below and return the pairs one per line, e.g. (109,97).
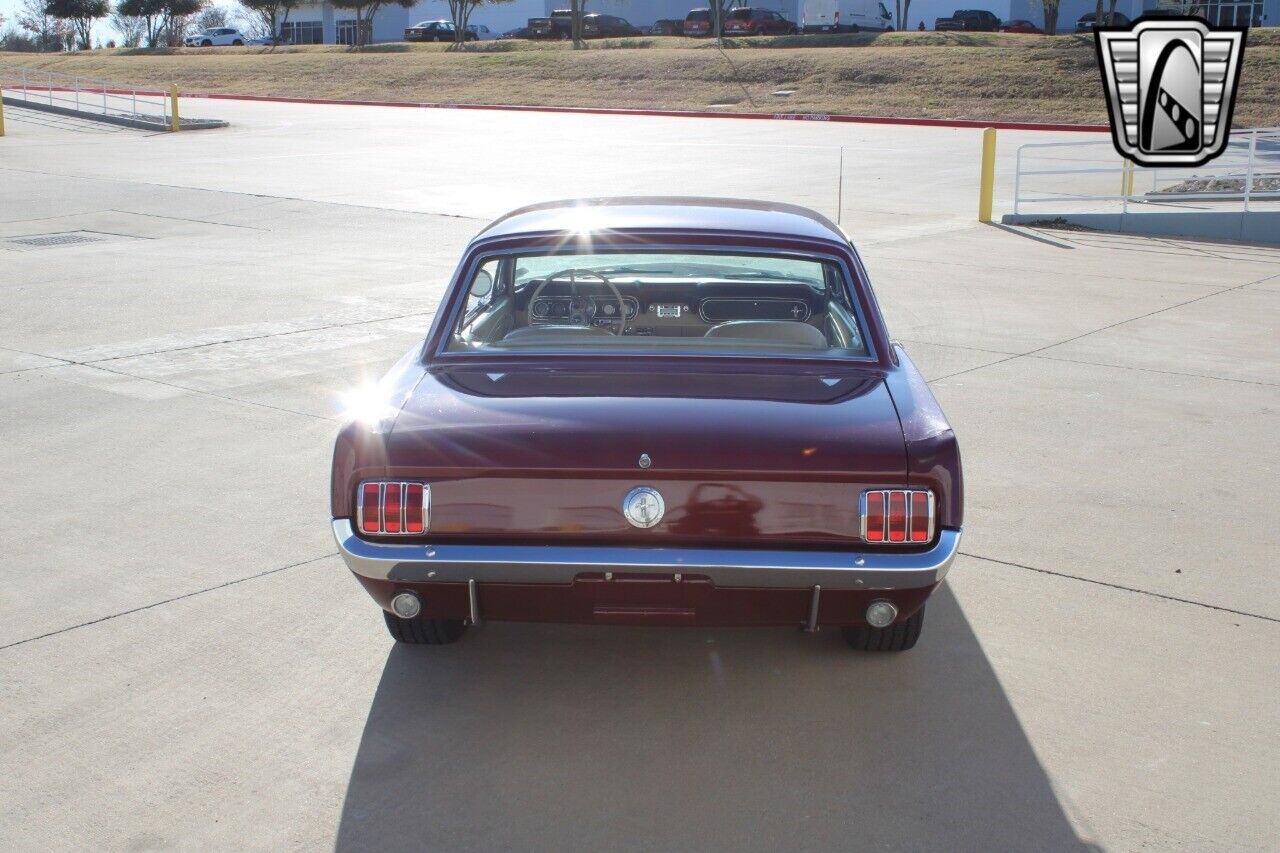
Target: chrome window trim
(478,253)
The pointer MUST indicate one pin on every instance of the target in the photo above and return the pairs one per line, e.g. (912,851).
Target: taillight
(899,516)
(393,508)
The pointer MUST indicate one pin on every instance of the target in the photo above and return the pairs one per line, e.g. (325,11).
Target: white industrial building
(321,23)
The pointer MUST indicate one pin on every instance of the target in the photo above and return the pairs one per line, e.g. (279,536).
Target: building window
(302,32)
(347,31)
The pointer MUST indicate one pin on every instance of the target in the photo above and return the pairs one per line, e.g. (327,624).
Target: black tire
(424,632)
(206,43)
(237,43)
(895,638)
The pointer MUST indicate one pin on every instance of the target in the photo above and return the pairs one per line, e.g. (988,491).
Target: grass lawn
(982,76)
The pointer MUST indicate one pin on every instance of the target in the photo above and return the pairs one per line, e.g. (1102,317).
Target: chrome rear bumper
(732,567)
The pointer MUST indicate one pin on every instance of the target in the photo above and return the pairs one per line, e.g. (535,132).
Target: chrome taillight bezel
(930,521)
(403,487)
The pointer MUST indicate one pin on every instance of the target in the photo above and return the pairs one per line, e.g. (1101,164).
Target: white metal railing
(84,94)
(1070,173)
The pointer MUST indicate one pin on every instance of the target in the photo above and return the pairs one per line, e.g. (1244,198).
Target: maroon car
(652,412)
(757,22)
(1020,26)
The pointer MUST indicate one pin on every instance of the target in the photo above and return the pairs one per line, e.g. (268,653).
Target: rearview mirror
(482,284)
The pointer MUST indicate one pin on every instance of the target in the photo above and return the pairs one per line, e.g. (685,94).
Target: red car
(757,22)
(1020,26)
(652,412)
(698,22)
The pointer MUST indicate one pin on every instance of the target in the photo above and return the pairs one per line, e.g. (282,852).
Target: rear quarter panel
(933,454)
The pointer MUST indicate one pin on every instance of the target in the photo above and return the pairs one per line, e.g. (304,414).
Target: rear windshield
(690,302)
(739,15)
(699,15)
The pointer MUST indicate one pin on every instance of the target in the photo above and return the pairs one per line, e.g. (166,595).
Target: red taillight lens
(921,519)
(875,517)
(898,516)
(414,518)
(370,508)
(393,508)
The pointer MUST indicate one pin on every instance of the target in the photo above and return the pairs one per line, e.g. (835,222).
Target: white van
(844,16)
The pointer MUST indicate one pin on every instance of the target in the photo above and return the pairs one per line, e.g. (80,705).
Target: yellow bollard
(1129,169)
(174,124)
(1,112)
(988,174)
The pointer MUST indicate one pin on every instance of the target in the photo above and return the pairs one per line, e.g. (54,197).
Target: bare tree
(903,10)
(45,30)
(460,11)
(210,17)
(274,13)
(132,28)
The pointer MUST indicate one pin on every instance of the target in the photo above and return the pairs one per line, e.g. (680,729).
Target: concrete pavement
(184,663)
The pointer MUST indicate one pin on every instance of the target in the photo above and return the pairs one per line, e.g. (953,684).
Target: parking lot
(186,663)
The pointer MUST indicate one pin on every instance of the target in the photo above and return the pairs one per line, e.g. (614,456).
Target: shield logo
(1171,87)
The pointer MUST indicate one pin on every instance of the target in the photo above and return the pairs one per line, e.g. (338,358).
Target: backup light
(406,605)
(898,516)
(393,508)
(880,614)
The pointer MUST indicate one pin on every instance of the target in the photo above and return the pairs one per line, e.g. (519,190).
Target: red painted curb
(842,119)
(846,119)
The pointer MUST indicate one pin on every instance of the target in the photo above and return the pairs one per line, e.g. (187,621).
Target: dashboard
(672,308)
(581,310)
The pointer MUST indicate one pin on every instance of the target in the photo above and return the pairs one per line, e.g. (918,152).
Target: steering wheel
(587,314)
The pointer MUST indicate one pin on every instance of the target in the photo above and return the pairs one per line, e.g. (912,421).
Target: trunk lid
(746,458)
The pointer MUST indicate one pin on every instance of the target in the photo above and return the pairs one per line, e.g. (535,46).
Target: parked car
(518,33)
(753,21)
(598,26)
(972,20)
(215,37)
(481,32)
(668,27)
(436,31)
(265,41)
(558,26)
(698,22)
(1020,26)
(1088,20)
(685,412)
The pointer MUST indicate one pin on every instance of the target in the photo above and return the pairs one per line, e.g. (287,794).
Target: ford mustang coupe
(658,411)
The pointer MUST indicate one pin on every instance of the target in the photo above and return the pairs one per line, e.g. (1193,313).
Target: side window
(480,292)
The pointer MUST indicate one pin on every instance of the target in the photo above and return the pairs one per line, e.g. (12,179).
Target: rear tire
(895,638)
(424,632)
(237,43)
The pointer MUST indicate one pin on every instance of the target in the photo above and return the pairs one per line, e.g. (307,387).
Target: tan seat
(550,334)
(790,332)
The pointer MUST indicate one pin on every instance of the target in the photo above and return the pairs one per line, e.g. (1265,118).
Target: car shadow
(543,736)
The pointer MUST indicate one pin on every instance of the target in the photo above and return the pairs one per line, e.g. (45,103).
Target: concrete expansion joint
(1122,587)
(182,597)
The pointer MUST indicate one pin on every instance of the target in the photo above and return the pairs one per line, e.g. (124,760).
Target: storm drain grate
(41,241)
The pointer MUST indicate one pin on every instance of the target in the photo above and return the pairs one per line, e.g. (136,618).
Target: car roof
(665,213)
